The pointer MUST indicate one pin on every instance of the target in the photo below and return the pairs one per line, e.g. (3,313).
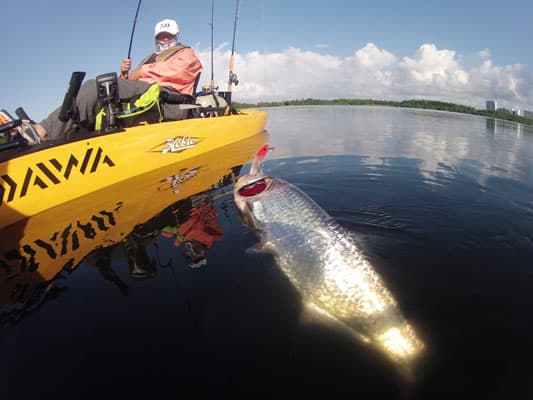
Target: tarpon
(323,261)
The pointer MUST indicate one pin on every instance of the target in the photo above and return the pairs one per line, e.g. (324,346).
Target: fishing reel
(108,97)
(233,78)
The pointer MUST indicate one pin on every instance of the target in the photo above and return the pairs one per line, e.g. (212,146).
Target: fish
(323,261)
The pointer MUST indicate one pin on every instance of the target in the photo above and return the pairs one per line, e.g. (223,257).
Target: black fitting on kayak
(10,125)
(169,97)
(108,97)
(10,138)
(227,96)
(69,110)
(23,115)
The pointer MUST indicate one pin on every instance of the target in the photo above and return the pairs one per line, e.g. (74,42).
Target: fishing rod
(133,28)
(212,73)
(232,76)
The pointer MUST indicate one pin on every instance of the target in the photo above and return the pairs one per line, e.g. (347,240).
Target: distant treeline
(427,104)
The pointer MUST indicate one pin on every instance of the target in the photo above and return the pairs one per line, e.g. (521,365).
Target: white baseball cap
(167,25)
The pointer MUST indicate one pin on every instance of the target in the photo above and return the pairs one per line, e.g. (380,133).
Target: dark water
(443,206)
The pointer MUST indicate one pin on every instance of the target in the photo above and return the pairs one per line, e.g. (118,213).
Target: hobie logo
(50,173)
(179,144)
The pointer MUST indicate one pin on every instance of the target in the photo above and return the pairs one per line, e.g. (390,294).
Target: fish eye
(253,188)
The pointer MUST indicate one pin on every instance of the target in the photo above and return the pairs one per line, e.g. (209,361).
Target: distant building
(491,105)
(516,111)
(528,114)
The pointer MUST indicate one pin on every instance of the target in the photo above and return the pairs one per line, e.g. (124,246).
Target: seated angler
(174,66)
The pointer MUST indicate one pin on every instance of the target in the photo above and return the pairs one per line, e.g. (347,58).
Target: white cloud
(484,54)
(511,82)
(371,72)
(321,46)
(372,57)
(434,67)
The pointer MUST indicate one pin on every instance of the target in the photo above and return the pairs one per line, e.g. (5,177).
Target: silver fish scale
(321,259)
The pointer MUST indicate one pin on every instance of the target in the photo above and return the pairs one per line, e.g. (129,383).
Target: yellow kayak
(40,180)
(112,200)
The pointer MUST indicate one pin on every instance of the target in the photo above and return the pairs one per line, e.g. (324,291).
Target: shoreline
(422,104)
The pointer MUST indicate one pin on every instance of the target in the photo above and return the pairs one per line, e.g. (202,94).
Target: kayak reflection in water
(27,281)
(191,222)
(198,233)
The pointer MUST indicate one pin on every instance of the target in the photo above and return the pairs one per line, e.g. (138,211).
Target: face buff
(162,46)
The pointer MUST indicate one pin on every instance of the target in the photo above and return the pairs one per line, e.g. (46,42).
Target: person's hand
(125,67)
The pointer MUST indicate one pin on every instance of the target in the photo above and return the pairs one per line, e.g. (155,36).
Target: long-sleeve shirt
(178,72)
(202,226)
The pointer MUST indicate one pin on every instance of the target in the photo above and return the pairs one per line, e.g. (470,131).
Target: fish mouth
(254,182)
(251,184)
(246,188)
(253,187)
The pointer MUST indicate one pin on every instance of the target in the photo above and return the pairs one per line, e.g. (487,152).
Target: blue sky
(460,51)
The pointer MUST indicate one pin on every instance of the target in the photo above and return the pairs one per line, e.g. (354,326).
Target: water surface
(442,205)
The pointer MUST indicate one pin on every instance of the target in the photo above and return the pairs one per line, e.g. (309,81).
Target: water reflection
(190,224)
(37,269)
(38,253)
(499,126)
(455,252)
(439,141)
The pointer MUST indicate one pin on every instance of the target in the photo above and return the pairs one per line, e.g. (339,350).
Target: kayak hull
(38,181)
